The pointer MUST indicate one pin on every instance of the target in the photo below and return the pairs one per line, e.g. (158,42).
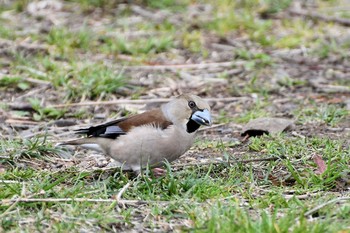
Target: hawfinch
(149,138)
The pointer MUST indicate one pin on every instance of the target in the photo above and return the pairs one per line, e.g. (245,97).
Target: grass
(299,162)
(255,111)
(37,147)
(16,83)
(45,112)
(92,81)
(85,61)
(79,81)
(228,19)
(66,41)
(236,185)
(169,188)
(227,219)
(329,114)
(137,47)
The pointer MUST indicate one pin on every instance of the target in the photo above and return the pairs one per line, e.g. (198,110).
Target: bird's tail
(76,142)
(87,143)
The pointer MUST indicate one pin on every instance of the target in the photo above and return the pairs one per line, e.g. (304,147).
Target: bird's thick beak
(202,117)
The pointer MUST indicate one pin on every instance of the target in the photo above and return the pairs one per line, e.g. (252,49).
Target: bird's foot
(158,172)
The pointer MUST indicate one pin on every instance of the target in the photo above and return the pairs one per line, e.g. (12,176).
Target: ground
(70,64)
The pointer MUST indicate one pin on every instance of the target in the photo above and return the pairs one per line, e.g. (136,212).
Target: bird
(149,138)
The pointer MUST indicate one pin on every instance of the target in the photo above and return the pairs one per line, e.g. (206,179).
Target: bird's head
(188,111)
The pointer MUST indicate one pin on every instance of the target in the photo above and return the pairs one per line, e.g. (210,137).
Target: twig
(212,127)
(21,122)
(257,160)
(36,72)
(119,195)
(313,210)
(331,88)
(11,181)
(147,14)
(202,164)
(145,101)
(21,107)
(37,81)
(314,15)
(30,80)
(25,47)
(222,47)
(132,35)
(245,138)
(225,162)
(300,197)
(336,8)
(33,92)
(14,203)
(10,208)
(6,201)
(185,66)
(296,134)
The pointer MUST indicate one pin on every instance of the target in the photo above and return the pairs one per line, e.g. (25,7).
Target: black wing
(106,130)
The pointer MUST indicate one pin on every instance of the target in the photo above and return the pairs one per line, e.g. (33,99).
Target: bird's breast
(151,145)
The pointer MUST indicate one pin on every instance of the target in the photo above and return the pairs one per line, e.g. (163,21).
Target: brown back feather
(154,117)
(118,127)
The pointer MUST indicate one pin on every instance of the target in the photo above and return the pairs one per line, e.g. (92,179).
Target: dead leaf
(347,103)
(266,125)
(342,183)
(2,169)
(321,165)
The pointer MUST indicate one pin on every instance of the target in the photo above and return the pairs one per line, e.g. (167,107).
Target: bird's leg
(158,172)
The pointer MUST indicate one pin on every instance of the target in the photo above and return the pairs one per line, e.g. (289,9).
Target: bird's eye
(191,104)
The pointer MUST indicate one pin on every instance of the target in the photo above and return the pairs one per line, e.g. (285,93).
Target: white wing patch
(113,130)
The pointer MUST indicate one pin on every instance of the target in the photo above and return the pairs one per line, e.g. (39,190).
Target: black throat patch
(192,126)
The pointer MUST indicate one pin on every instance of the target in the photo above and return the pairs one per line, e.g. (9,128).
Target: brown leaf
(321,165)
(2,169)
